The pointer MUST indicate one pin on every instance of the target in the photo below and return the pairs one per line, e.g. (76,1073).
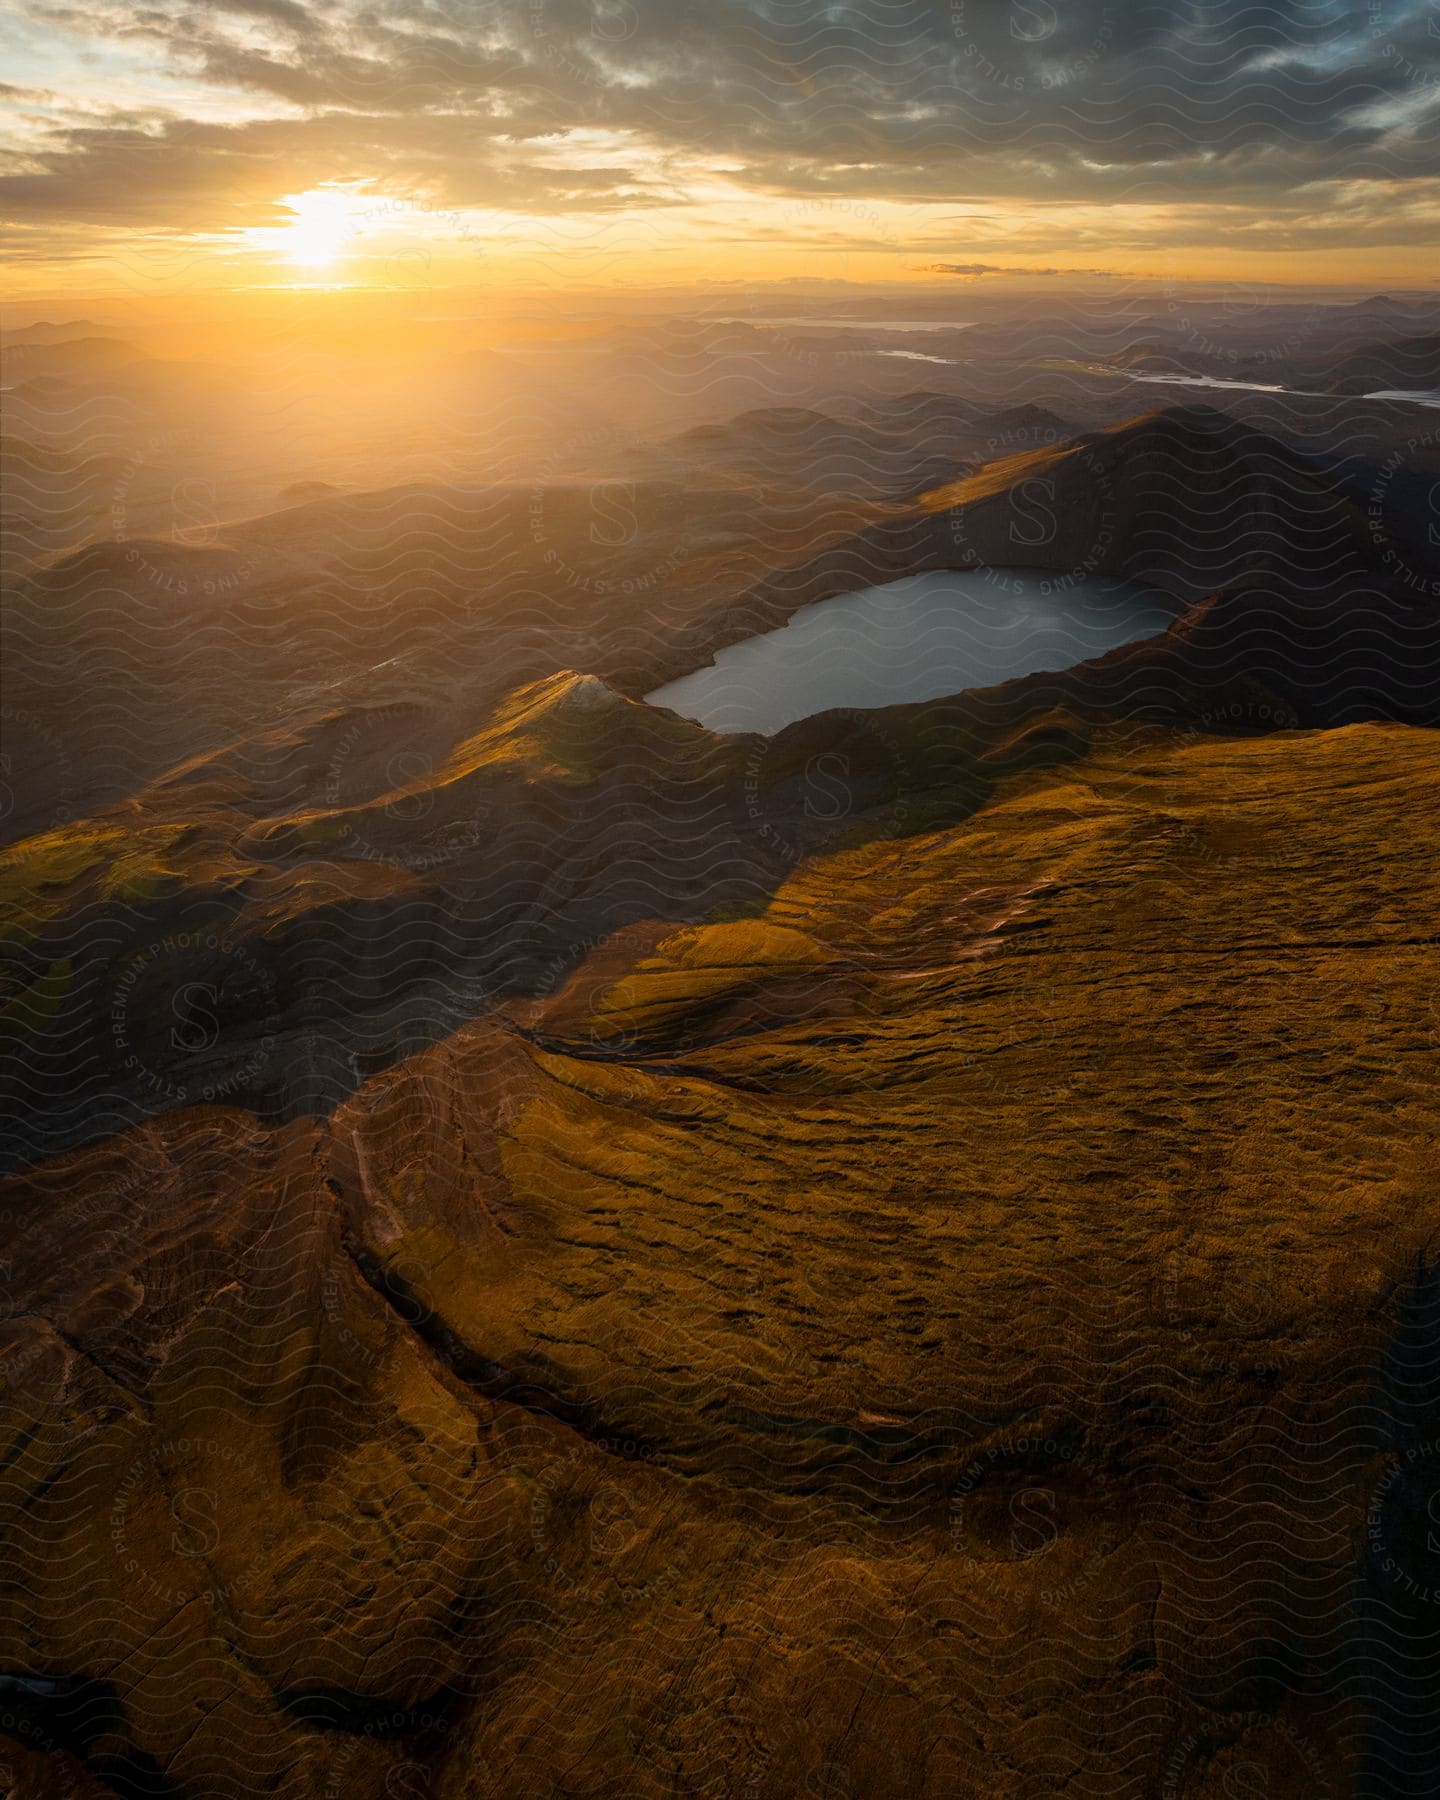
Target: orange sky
(540,145)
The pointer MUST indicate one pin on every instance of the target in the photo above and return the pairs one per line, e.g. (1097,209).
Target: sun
(324,221)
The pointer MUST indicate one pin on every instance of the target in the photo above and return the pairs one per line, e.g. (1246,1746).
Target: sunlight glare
(325,219)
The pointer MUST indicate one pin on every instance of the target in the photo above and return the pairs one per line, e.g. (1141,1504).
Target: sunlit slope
(1162,947)
(988,1285)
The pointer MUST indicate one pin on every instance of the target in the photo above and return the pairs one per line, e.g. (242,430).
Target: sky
(164,146)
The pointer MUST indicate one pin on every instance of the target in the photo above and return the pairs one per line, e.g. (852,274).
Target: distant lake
(913,639)
(1209,381)
(1195,381)
(1416,396)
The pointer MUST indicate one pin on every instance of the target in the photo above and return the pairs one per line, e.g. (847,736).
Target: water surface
(913,639)
(1416,396)
(1211,381)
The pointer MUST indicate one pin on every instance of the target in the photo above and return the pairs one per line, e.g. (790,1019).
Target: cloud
(1272,107)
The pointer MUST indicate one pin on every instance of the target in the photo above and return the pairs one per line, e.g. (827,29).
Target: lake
(1416,396)
(913,639)
(1211,381)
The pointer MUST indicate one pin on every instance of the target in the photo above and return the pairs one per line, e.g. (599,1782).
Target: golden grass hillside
(953,1334)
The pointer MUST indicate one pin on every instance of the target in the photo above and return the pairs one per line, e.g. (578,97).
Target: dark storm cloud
(970,100)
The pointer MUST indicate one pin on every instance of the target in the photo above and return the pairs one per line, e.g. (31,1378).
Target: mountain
(370,830)
(377,827)
(48,331)
(49,497)
(1187,501)
(368,1428)
(109,648)
(1412,306)
(1410,364)
(889,448)
(85,358)
(428,587)
(799,447)
(771,1241)
(984,432)
(1340,353)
